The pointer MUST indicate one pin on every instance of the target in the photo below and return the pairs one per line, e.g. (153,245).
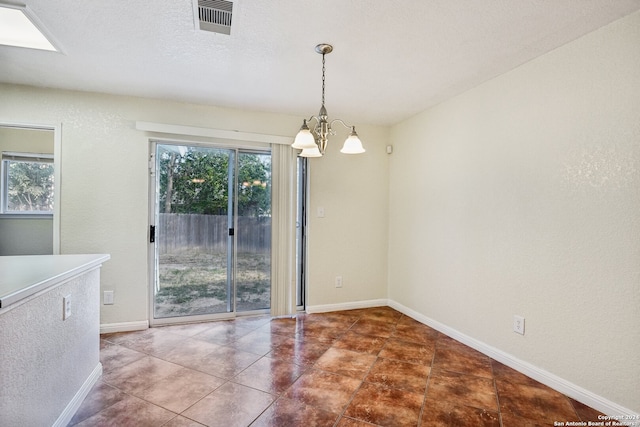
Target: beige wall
(521,196)
(26,236)
(104,190)
(351,239)
(26,140)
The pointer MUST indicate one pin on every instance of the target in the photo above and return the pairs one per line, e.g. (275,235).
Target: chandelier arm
(315,128)
(341,122)
(317,119)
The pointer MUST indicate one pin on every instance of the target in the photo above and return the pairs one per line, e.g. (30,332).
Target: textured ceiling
(391,59)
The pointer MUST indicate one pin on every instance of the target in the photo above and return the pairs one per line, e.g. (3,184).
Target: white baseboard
(73,406)
(559,384)
(346,306)
(108,328)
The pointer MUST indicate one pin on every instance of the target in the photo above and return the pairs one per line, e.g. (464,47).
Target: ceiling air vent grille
(215,15)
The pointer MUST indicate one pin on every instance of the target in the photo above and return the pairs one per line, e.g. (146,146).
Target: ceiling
(391,59)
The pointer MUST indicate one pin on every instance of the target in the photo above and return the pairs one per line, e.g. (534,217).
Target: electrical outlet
(518,324)
(107,298)
(338,281)
(66,307)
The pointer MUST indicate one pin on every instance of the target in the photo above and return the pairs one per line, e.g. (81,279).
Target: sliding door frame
(237,147)
(302,181)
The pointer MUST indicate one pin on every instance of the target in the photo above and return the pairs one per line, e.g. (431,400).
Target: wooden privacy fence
(180,232)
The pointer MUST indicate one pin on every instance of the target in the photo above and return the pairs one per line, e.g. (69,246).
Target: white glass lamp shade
(311,152)
(304,138)
(352,145)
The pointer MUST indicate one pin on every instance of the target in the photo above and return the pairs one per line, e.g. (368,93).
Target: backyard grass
(196,283)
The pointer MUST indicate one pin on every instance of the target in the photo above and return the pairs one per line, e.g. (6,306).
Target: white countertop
(22,276)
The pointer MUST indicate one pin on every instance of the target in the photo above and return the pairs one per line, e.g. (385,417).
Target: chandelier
(306,138)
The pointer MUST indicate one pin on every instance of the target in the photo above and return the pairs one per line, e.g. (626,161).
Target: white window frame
(4,181)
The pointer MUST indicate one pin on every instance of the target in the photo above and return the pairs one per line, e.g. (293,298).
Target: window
(27,183)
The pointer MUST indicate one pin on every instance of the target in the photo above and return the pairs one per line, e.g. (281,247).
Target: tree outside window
(27,184)
(196,182)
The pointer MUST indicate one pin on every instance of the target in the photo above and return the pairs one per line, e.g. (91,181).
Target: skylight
(18,28)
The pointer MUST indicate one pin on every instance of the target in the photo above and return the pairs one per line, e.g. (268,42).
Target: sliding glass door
(253,234)
(211,231)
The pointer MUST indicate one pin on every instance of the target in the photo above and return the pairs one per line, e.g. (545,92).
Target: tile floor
(357,368)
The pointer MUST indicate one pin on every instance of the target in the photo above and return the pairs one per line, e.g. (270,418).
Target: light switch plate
(518,324)
(107,298)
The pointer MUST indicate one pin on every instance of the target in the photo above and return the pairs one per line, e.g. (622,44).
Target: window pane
(253,279)
(192,234)
(29,186)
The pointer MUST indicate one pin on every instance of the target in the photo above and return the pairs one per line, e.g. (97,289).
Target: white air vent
(215,15)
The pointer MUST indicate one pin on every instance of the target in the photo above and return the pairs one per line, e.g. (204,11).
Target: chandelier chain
(323,79)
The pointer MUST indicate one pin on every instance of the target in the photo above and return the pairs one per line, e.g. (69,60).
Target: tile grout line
(495,388)
(353,395)
(159,357)
(306,370)
(426,389)
(228,380)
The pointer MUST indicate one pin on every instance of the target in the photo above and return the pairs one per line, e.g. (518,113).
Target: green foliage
(254,185)
(196,180)
(30,186)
